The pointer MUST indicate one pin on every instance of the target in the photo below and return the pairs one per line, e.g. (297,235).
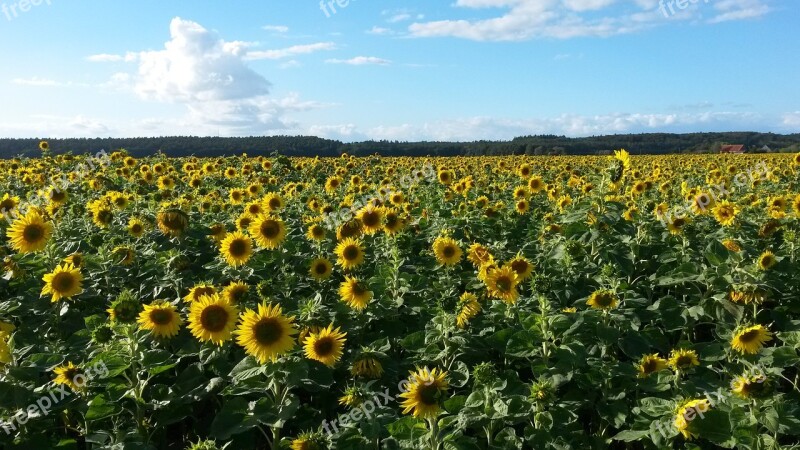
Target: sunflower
(423,393)
(355,293)
(269,232)
(392,221)
(371,219)
(236,292)
(683,359)
(468,307)
(796,205)
(315,232)
(767,260)
(326,346)
(212,318)
(320,269)
(732,245)
(266,334)
(29,233)
(172,222)
(136,227)
(522,267)
(123,255)
(750,339)
(65,281)
(479,255)
(676,225)
(725,212)
(273,202)
(71,376)
(125,308)
(367,366)
(747,386)
(161,319)
(8,203)
(198,291)
(76,259)
(447,251)
(350,253)
(502,284)
(602,299)
(650,364)
(236,248)
(44,145)
(687,412)
(309,441)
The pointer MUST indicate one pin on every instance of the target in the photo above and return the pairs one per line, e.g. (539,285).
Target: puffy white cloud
(792,121)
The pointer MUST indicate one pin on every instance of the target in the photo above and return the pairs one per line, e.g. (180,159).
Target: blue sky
(398,70)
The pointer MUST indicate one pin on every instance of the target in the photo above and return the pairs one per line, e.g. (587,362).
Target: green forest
(653,143)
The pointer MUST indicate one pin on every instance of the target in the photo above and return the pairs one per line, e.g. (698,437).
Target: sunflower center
(136,228)
(351,252)
(269,229)
(429,393)
(519,266)
(503,284)
(370,219)
(161,317)
(274,203)
(238,248)
(320,268)
(604,299)
(749,336)
(214,318)
(268,331)
(33,233)
(449,251)
(323,347)
(684,360)
(649,366)
(358,289)
(63,282)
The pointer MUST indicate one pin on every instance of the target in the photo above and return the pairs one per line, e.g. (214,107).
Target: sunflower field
(510,302)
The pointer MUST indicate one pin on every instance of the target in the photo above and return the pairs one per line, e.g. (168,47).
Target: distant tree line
(652,143)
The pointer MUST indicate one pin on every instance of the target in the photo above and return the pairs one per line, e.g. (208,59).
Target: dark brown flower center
(214,318)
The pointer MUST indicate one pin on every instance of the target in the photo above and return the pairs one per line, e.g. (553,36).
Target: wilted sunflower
(172,222)
(212,319)
(750,339)
(236,248)
(350,253)
(424,392)
(479,255)
(123,255)
(266,334)
(767,260)
(125,308)
(749,386)
(355,293)
(447,251)
(651,364)
(320,269)
(326,346)
(602,299)
(732,245)
(502,284)
(468,307)
(29,233)
(65,281)
(687,412)
(269,232)
(161,319)
(367,366)
(71,376)
(683,359)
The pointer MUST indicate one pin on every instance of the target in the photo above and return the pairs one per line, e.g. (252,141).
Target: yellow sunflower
(651,364)
(65,281)
(71,376)
(325,346)
(320,269)
(136,227)
(767,260)
(479,255)
(502,284)
(266,334)
(424,393)
(522,267)
(350,253)
(468,307)
(687,412)
(269,232)
(29,233)
(355,293)
(750,339)
(447,251)
(161,319)
(602,299)
(683,359)
(236,292)
(725,212)
(212,318)
(198,291)
(367,366)
(236,248)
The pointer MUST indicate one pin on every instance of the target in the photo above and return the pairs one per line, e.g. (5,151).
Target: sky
(445,70)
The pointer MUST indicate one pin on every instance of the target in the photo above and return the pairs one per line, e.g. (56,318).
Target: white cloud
(792,121)
(276,28)
(361,61)
(291,51)
(107,57)
(45,82)
(565,19)
(380,31)
(291,64)
(399,18)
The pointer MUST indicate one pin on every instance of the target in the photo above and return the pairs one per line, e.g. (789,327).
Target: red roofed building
(732,149)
